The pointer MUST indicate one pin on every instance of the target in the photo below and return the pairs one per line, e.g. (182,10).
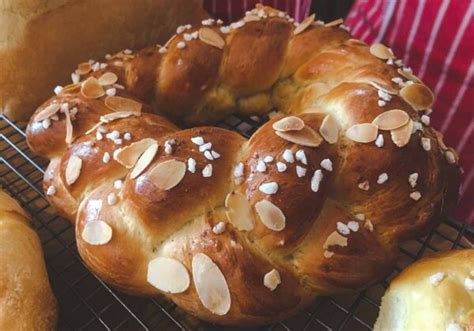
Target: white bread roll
(435,293)
(26,299)
(42,41)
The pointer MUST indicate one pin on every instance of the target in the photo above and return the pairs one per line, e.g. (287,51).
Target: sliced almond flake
(381,51)
(118,115)
(270,215)
(108,78)
(121,104)
(356,42)
(440,139)
(251,18)
(47,112)
(362,133)
(334,23)
(272,279)
(385,88)
(94,128)
(69,128)
(419,96)
(128,155)
(168,43)
(401,136)
(73,169)
(211,37)
(168,275)
(210,284)
(408,75)
(289,123)
(305,137)
(71,88)
(239,212)
(391,119)
(335,239)
(305,24)
(166,175)
(96,232)
(90,88)
(144,161)
(83,68)
(329,129)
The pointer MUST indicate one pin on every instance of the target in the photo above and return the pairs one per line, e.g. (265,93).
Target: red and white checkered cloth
(433,37)
(232,10)
(436,39)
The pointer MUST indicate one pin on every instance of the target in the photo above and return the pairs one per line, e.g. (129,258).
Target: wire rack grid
(88,303)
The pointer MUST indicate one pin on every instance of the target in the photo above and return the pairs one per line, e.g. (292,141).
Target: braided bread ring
(235,231)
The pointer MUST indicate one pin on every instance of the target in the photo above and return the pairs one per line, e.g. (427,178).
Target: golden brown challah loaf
(435,293)
(26,299)
(237,231)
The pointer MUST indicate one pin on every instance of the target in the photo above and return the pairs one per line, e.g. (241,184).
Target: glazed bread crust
(261,65)
(26,299)
(42,40)
(447,301)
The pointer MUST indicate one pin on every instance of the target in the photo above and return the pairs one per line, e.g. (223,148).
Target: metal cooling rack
(88,303)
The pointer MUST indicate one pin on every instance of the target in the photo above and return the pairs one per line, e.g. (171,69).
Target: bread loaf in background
(41,41)
(435,293)
(26,299)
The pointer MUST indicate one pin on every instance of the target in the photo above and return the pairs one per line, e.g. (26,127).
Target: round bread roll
(43,40)
(241,231)
(26,299)
(435,293)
